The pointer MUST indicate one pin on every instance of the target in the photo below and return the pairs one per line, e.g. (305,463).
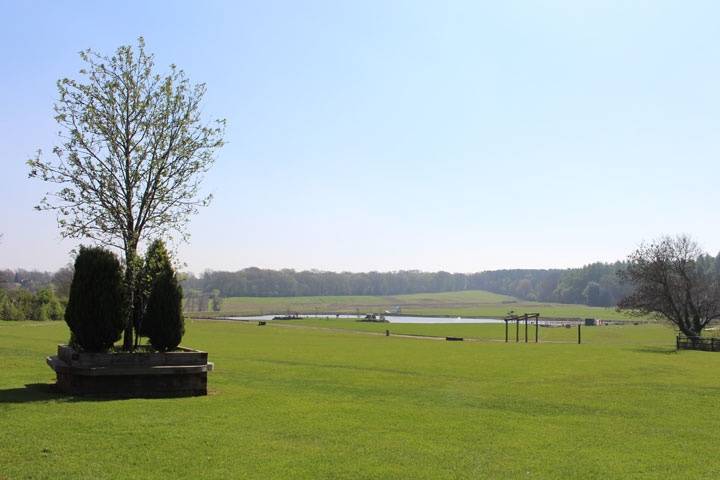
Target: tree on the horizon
(134,151)
(676,281)
(62,279)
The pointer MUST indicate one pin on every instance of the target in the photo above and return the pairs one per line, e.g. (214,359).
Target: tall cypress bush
(95,311)
(156,261)
(162,321)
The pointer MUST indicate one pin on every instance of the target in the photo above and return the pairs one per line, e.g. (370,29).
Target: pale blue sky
(388,135)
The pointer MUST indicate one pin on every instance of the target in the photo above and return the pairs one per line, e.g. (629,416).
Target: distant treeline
(33,295)
(40,295)
(34,280)
(21,304)
(596,284)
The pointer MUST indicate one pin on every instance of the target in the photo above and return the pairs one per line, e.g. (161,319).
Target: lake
(389,318)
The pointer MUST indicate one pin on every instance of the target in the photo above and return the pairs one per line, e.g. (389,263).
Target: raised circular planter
(180,373)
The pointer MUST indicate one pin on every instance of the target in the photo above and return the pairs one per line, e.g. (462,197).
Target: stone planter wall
(169,374)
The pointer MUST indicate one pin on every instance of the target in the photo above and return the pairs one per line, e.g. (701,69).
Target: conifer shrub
(95,311)
(162,322)
(156,261)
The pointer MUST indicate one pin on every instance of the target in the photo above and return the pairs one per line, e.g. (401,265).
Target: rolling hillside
(465,303)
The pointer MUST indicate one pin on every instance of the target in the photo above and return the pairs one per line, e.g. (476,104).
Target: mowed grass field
(608,335)
(467,303)
(326,401)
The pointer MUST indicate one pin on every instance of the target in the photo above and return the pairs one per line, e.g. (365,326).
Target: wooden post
(579,336)
(387,333)
(536,328)
(506,330)
(677,342)
(517,330)
(526,318)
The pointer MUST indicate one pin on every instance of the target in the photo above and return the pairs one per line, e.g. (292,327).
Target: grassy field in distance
(293,401)
(466,303)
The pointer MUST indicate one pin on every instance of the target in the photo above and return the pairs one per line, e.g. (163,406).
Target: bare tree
(673,280)
(134,151)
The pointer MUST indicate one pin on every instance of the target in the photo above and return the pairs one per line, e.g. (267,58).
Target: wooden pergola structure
(519,318)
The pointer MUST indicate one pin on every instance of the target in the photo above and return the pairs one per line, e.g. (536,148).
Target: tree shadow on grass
(44,392)
(661,349)
(31,392)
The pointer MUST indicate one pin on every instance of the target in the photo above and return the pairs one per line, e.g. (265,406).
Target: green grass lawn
(467,303)
(326,401)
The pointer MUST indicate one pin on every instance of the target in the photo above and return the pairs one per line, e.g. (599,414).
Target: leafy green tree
(592,294)
(61,280)
(7,310)
(133,155)
(94,312)
(46,305)
(22,304)
(216,300)
(673,279)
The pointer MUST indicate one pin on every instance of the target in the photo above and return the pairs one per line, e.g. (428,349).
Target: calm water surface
(389,318)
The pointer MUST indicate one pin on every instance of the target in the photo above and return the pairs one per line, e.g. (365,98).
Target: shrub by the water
(94,311)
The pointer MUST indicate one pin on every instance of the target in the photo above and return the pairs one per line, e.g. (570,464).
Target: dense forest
(41,295)
(596,284)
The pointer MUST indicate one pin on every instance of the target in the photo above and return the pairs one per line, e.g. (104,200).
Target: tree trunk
(130,274)
(688,331)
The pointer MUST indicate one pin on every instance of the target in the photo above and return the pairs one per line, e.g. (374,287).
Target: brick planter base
(181,373)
